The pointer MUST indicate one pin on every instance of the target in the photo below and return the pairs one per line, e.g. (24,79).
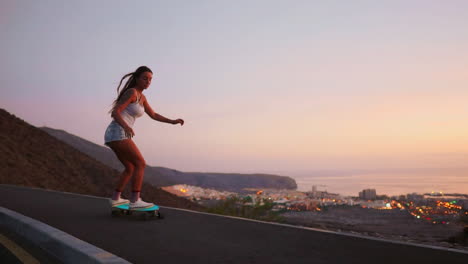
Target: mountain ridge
(31,157)
(161,176)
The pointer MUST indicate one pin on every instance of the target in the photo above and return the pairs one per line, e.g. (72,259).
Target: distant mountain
(31,157)
(160,176)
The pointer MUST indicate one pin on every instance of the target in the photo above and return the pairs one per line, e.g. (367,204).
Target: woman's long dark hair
(131,82)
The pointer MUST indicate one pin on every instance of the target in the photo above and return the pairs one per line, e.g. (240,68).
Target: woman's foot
(118,202)
(140,204)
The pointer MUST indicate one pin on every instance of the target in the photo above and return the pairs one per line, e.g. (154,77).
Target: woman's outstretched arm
(159,117)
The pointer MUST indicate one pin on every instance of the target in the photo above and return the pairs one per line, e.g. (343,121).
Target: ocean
(387,182)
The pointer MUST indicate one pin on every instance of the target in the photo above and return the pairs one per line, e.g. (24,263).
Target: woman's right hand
(129,132)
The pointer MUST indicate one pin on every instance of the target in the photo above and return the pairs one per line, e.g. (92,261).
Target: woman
(129,105)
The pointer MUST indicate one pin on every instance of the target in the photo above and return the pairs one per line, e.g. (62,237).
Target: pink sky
(263,86)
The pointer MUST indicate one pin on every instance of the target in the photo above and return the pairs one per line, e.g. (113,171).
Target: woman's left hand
(178,121)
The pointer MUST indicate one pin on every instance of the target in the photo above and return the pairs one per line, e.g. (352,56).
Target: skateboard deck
(146,213)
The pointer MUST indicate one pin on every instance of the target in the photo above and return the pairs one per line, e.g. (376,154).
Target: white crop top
(132,112)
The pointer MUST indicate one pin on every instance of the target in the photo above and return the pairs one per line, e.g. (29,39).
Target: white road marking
(19,252)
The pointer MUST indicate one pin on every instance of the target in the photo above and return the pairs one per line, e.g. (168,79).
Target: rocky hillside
(31,157)
(160,176)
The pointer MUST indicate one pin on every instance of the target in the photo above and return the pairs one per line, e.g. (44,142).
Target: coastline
(396,183)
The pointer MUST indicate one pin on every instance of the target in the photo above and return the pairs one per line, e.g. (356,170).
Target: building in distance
(368,194)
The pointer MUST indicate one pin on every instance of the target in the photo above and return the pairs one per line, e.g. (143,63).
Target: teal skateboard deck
(145,213)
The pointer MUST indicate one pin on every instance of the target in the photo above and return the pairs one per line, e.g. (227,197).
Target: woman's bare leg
(125,176)
(130,156)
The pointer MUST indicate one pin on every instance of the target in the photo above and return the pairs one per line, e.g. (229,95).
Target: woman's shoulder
(143,97)
(131,91)
(129,94)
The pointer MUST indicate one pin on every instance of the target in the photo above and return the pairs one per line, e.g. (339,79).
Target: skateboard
(145,213)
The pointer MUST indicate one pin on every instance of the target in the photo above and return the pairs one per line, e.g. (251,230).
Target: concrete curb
(58,244)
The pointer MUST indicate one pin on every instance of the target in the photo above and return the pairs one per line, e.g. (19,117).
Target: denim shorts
(114,132)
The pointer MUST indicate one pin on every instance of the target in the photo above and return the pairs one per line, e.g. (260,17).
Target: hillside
(160,176)
(31,157)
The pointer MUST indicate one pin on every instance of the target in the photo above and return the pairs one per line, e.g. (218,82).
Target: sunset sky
(264,86)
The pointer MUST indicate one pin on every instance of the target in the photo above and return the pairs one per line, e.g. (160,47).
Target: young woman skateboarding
(129,105)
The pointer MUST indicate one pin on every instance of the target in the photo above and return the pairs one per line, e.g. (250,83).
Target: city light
(431,207)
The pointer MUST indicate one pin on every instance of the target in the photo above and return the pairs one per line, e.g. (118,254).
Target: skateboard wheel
(115,213)
(145,217)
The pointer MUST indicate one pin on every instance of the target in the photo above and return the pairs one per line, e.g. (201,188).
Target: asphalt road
(187,237)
